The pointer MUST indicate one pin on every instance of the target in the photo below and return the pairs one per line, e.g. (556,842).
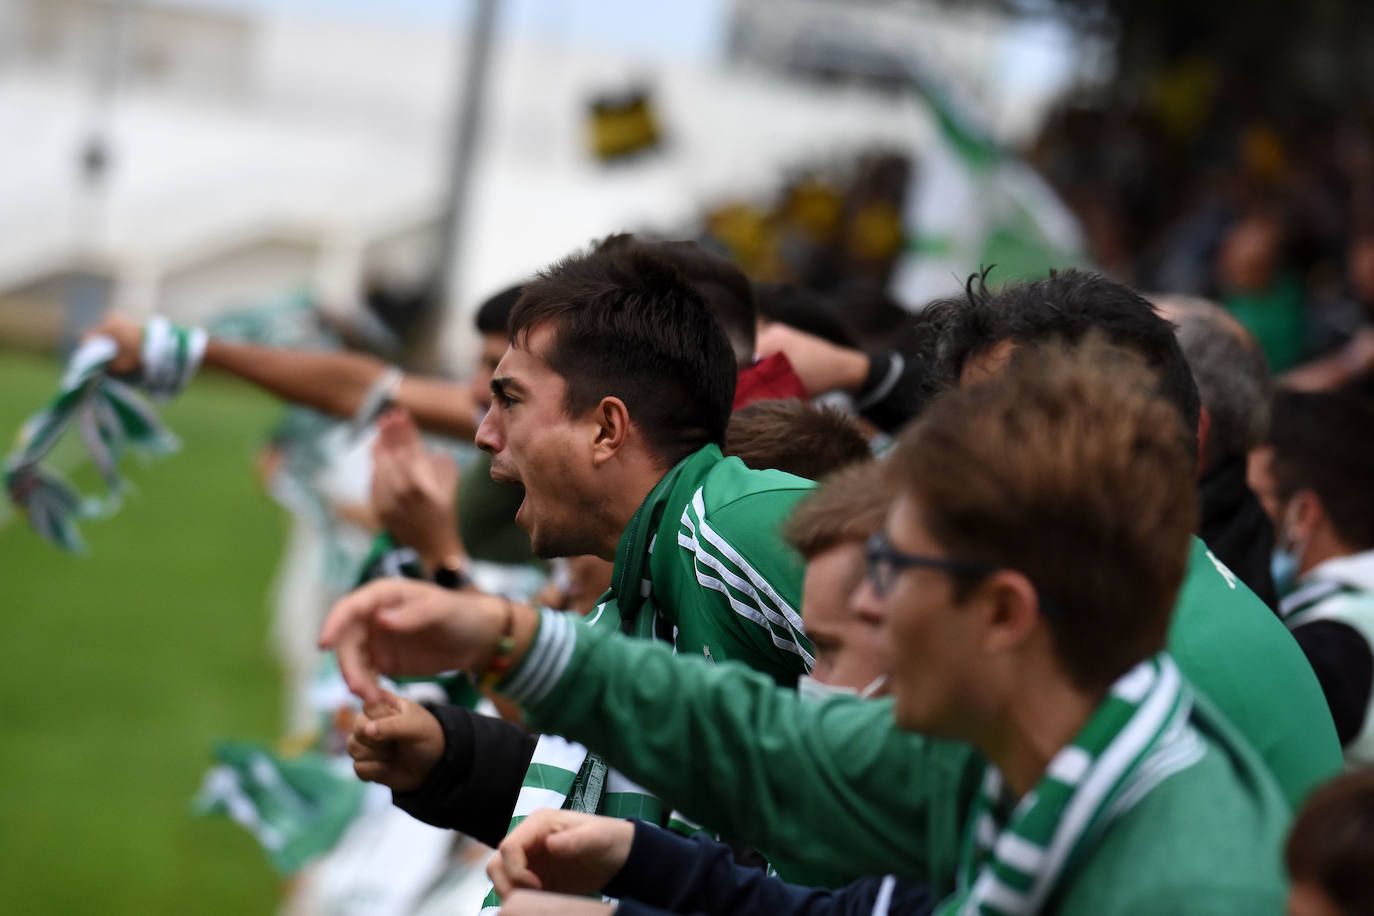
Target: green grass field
(118,669)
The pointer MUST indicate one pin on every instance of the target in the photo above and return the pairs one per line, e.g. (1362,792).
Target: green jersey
(750,762)
(703,565)
(1242,658)
(831,790)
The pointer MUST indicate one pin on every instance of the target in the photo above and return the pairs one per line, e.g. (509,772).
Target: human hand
(395,742)
(821,365)
(404,627)
(535,903)
(128,337)
(413,491)
(565,851)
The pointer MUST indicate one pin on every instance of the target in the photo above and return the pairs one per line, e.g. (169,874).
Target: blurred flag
(975,204)
(296,807)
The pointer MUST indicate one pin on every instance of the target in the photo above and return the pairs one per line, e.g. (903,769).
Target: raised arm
(828,791)
(334,382)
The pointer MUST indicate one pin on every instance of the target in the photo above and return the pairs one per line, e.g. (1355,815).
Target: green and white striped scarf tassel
(109,416)
(1138,736)
(171,356)
(563,774)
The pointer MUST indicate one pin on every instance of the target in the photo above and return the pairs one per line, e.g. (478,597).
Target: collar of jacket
(630,579)
(1351,574)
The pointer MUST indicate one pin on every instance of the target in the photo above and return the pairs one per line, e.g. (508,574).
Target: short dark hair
(494,314)
(1068,453)
(1332,842)
(1065,306)
(793,436)
(724,286)
(628,325)
(1324,441)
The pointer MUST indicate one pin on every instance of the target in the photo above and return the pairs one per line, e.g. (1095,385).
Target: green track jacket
(835,791)
(703,565)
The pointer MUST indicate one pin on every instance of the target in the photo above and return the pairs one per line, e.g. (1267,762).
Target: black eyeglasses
(886,561)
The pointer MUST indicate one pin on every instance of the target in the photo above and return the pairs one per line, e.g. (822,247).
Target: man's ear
(1307,515)
(612,430)
(1010,609)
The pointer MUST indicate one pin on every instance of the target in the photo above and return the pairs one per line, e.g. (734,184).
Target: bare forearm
(334,383)
(337,382)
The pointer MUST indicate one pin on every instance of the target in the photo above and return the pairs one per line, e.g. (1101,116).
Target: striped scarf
(110,417)
(1013,861)
(566,775)
(563,774)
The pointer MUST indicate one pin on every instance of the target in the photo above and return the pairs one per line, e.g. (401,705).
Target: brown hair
(1324,441)
(1067,467)
(849,505)
(795,437)
(1332,842)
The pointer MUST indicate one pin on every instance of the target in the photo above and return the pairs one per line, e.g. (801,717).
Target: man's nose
(865,603)
(489,433)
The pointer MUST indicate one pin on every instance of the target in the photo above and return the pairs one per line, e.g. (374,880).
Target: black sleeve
(1345,668)
(670,873)
(894,391)
(474,786)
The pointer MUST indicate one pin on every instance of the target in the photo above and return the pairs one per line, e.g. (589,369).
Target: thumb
(391,728)
(574,841)
(385,705)
(403,617)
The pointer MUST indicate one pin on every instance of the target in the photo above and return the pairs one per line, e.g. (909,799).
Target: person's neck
(632,482)
(1322,546)
(1037,723)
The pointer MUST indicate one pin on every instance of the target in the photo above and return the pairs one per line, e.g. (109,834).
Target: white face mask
(810,689)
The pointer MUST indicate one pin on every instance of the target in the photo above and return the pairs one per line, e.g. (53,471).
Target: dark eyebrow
(503,385)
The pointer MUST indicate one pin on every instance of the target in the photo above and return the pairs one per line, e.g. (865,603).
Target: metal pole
(467,126)
(86,289)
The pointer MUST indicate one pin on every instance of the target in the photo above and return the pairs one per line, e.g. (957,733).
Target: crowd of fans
(1050,597)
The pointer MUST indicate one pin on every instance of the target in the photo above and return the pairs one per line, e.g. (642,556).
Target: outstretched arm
(333,382)
(828,791)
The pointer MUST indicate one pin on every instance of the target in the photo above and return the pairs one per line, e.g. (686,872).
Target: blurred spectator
(1312,477)
(1235,387)
(1354,359)
(1259,288)
(829,529)
(486,509)
(806,310)
(887,387)
(793,436)
(575,584)
(1330,851)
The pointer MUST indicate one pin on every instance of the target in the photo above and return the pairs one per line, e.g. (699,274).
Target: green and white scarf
(110,417)
(563,774)
(1014,858)
(297,806)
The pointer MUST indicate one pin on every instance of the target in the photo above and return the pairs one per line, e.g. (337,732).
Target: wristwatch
(450,574)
